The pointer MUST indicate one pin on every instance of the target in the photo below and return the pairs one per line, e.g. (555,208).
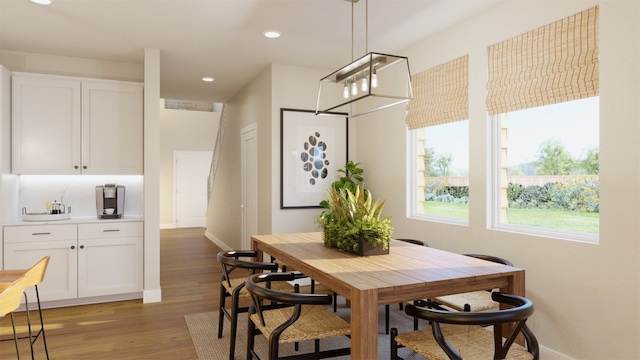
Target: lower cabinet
(87,260)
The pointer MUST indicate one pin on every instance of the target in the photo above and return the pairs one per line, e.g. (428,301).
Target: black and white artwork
(313,148)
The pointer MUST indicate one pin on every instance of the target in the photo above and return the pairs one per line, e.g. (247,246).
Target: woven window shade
(440,95)
(552,64)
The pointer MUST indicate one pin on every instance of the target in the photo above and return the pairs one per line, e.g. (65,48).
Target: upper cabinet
(63,125)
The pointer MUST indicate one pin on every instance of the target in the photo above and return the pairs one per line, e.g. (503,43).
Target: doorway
(249,178)
(191,169)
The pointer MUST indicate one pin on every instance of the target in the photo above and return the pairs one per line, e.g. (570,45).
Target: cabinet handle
(75,167)
(81,246)
(84,167)
(41,233)
(73,247)
(110,230)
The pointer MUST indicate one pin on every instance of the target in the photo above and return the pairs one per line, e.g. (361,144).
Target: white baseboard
(151,296)
(167,226)
(217,241)
(549,354)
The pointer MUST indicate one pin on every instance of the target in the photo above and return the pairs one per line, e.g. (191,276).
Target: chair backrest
(260,293)
(35,274)
(491,258)
(414,241)
(517,315)
(11,296)
(230,260)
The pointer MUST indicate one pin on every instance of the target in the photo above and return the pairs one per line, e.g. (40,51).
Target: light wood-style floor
(189,276)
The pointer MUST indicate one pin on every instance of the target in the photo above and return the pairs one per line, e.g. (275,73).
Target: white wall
(251,105)
(293,88)
(586,295)
(181,130)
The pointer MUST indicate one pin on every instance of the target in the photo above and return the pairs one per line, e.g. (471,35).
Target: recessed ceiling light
(207,79)
(42,2)
(272,34)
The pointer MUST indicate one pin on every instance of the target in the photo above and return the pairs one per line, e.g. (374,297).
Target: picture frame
(312,149)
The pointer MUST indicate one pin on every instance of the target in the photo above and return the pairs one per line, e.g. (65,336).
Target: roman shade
(440,95)
(552,64)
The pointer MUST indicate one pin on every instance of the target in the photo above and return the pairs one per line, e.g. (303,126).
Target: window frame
(412,184)
(494,193)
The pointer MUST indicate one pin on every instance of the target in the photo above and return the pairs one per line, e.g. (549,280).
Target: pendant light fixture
(384,81)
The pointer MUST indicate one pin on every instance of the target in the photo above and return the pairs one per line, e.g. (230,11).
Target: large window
(439,138)
(549,167)
(543,98)
(446,171)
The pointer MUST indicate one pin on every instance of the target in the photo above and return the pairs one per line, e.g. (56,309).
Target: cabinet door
(112,129)
(109,266)
(60,280)
(45,125)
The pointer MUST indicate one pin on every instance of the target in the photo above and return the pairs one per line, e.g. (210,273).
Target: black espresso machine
(110,201)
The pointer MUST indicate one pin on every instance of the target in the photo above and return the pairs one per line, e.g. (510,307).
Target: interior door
(249,175)
(191,169)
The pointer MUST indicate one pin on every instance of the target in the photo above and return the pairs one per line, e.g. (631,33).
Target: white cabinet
(112,130)
(110,258)
(26,245)
(45,125)
(87,260)
(65,125)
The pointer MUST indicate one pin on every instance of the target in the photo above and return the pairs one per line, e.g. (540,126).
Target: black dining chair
(475,300)
(305,318)
(234,287)
(457,335)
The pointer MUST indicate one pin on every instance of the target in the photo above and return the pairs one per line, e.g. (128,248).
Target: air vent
(188,105)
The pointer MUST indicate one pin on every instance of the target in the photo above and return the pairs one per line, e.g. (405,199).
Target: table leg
(364,324)
(516,287)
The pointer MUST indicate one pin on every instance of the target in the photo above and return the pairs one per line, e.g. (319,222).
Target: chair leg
(44,338)
(223,295)
(28,314)
(234,322)
(15,336)
(335,302)
(251,329)
(386,319)
(394,345)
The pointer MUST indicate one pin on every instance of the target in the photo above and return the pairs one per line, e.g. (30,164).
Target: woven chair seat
(315,322)
(279,286)
(477,300)
(471,342)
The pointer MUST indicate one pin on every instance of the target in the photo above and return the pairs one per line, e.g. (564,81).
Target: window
(439,138)
(543,97)
(446,170)
(549,167)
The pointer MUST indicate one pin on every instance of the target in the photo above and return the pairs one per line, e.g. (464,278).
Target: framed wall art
(313,148)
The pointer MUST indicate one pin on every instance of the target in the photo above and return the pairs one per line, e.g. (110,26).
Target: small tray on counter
(45,217)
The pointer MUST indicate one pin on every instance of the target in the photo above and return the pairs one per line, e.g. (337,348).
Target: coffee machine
(110,201)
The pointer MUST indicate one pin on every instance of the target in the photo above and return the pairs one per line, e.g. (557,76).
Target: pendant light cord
(366,27)
(352,27)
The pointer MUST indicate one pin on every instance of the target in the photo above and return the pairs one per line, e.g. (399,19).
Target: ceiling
(223,38)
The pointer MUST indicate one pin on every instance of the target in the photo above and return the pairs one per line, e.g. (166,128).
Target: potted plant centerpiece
(352,221)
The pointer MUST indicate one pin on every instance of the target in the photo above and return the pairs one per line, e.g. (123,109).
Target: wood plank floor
(189,279)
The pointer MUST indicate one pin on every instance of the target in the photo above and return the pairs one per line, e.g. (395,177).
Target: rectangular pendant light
(387,82)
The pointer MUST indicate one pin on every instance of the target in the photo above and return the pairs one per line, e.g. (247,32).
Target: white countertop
(74,220)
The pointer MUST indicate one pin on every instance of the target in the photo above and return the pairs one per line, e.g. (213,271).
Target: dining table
(408,272)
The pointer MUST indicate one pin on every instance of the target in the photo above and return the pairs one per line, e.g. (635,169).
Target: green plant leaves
(350,215)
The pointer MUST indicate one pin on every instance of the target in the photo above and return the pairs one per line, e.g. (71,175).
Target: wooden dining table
(408,272)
